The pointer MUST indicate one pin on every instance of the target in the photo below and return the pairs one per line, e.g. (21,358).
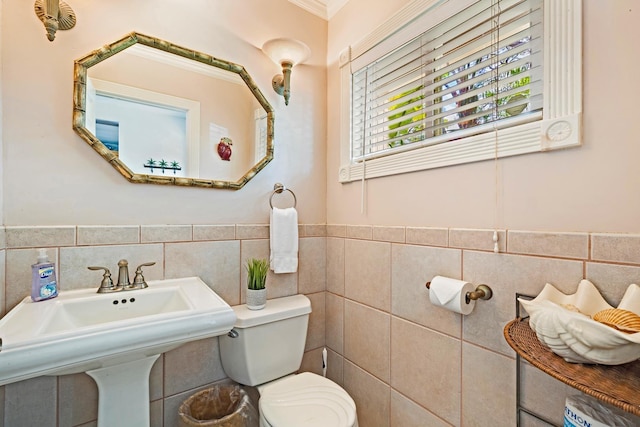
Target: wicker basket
(617,385)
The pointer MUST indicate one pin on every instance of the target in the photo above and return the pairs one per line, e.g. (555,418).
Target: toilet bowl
(265,349)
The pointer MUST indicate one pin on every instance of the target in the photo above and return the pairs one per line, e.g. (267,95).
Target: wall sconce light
(287,53)
(55,15)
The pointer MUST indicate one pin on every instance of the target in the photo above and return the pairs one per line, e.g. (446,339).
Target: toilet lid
(307,400)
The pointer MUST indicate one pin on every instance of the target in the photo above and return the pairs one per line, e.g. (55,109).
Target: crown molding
(333,6)
(322,8)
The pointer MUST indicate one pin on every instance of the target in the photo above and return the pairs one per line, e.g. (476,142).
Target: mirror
(164,114)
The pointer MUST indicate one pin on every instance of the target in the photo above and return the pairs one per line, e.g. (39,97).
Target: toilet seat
(307,400)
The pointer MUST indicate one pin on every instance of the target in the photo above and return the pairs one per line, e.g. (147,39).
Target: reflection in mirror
(164,114)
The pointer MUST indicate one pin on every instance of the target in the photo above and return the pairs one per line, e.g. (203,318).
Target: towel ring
(279,188)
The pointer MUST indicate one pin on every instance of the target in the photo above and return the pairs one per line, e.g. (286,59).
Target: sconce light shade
(286,53)
(286,50)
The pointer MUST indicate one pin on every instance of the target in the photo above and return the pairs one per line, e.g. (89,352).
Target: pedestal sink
(115,338)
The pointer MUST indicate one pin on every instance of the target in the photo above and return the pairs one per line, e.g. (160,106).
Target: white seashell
(574,335)
(631,299)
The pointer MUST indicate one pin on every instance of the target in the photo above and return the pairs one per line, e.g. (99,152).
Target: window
(463,81)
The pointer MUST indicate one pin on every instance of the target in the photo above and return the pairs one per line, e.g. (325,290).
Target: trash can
(224,405)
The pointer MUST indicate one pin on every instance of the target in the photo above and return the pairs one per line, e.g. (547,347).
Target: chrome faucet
(123,278)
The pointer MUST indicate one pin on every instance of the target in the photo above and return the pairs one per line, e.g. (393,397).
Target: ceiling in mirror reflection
(161,117)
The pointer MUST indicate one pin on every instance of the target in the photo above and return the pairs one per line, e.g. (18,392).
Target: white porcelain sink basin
(118,334)
(86,312)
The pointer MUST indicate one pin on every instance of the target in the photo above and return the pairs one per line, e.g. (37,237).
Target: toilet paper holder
(482,292)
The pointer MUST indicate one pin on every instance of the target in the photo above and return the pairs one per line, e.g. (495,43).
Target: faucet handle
(107,283)
(138,280)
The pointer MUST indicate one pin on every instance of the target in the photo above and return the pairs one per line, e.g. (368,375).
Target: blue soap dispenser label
(48,288)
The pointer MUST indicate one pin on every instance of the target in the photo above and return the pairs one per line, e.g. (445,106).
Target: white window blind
(477,71)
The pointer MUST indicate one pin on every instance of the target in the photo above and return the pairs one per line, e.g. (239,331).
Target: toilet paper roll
(450,294)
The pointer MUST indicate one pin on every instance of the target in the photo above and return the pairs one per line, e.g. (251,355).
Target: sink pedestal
(123,393)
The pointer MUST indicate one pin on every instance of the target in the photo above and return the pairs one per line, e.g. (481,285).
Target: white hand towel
(284,240)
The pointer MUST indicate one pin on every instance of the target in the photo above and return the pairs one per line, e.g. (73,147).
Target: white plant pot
(256,299)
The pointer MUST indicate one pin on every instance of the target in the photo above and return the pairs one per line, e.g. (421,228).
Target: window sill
(542,135)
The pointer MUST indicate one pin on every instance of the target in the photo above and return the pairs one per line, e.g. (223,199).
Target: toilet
(265,349)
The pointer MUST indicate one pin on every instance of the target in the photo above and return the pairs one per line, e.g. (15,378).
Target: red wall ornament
(224,148)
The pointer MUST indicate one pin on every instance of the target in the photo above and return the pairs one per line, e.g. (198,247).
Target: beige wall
(53,178)
(409,364)
(370,299)
(592,188)
(55,182)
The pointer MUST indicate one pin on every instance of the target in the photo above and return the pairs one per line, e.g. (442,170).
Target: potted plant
(257,270)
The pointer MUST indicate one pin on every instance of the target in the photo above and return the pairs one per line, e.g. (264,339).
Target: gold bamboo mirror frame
(161,171)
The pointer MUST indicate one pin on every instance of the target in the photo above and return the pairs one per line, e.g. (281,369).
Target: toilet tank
(269,343)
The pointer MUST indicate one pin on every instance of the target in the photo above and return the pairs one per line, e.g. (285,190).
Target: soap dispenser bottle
(43,278)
